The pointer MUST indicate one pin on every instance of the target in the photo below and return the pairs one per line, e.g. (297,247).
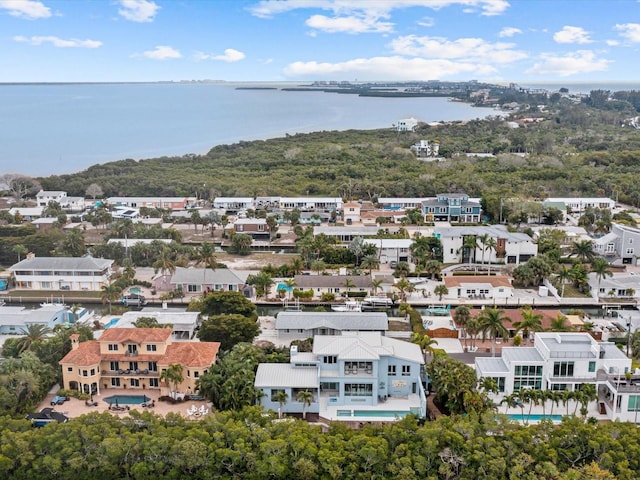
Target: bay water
(48,129)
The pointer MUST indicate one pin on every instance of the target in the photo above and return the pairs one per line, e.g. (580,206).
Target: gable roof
(462,280)
(87,354)
(365,346)
(200,276)
(324,281)
(284,375)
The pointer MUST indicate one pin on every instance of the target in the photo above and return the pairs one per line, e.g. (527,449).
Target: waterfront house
(451,207)
(62,273)
(291,325)
(183,324)
(170,203)
(335,284)
(478,287)
(345,234)
(14,320)
(199,280)
(134,359)
(354,377)
(392,249)
(621,246)
(233,204)
(257,228)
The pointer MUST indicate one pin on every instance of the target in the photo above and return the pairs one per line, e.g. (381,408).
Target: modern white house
(621,286)
(406,124)
(183,324)
(391,203)
(392,249)
(311,203)
(336,284)
(43,197)
(233,204)
(566,361)
(478,287)
(347,233)
(579,204)
(510,247)
(171,203)
(424,148)
(15,319)
(62,273)
(354,377)
(292,325)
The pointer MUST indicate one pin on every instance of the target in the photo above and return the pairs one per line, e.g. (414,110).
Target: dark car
(133,300)
(59,400)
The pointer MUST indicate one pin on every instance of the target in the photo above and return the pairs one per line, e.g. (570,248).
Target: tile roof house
(470,286)
(354,377)
(62,273)
(134,358)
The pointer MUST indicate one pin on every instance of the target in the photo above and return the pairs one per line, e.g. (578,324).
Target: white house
(620,246)
(233,204)
(478,287)
(27,213)
(625,286)
(424,148)
(406,124)
(291,325)
(14,320)
(345,234)
(62,273)
(43,197)
(311,203)
(579,204)
(354,377)
(391,203)
(171,203)
(351,212)
(510,247)
(391,249)
(183,324)
(198,280)
(566,361)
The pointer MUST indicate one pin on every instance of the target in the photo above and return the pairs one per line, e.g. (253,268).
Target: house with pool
(15,319)
(353,377)
(565,361)
(133,359)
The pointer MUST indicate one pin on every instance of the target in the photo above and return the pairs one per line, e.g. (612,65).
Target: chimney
(75,341)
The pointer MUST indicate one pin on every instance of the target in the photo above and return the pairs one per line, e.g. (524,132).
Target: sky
(526,41)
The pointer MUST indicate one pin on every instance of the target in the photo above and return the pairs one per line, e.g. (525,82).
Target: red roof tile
(87,353)
(191,354)
(136,335)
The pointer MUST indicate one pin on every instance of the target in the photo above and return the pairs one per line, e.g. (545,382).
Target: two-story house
(451,207)
(134,359)
(392,249)
(171,203)
(62,273)
(257,228)
(43,197)
(351,212)
(354,377)
(566,361)
(620,246)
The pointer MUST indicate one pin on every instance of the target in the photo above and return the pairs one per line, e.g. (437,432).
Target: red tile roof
(495,281)
(515,315)
(136,335)
(87,354)
(191,354)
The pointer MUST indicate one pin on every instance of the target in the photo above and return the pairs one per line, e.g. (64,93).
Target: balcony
(131,354)
(136,373)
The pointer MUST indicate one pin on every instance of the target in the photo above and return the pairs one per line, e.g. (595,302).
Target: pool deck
(73,407)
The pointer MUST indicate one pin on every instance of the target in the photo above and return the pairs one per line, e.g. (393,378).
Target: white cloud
(162,52)
(613,43)
(230,55)
(59,42)
(570,34)
(581,61)
(380,8)
(426,22)
(349,24)
(29,9)
(473,49)
(629,31)
(509,32)
(393,68)
(138,10)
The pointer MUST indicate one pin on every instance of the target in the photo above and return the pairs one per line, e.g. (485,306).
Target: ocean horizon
(50,129)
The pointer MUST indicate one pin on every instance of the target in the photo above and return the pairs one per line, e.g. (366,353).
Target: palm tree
(473,328)
(483,239)
(461,316)
(425,342)
(469,246)
(376,284)
(559,324)
(404,309)
(492,322)
(164,263)
(510,401)
(403,285)
(562,276)
(20,250)
(206,256)
(110,293)
(433,268)
(370,262)
(348,284)
(583,250)
(306,398)
(290,283)
(173,375)
(281,397)
(531,322)
(297,265)
(263,282)
(318,266)
(34,333)
(440,290)
(602,269)
(491,245)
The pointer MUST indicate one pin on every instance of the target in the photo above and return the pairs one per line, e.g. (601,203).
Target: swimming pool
(126,399)
(283,287)
(373,413)
(534,417)
(111,323)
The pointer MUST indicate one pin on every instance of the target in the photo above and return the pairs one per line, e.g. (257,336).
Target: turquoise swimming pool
(126,399)
(373,413)
(283,287)
(111,323)
(534,417)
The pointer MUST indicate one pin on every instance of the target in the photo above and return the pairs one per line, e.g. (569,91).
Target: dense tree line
(248,444)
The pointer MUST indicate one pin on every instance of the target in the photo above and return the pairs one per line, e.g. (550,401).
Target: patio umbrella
(117,403)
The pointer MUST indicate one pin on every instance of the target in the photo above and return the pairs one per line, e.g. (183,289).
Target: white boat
(377,301)
(348,306)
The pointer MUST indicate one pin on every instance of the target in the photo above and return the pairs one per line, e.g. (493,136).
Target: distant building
(451,207)
(425,148)
(62,273)
(406,125)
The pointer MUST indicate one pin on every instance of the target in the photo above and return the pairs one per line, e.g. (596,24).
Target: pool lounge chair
(192,410)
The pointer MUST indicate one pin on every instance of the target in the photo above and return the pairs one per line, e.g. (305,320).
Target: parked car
(133,300)
(59,399)
(393,264)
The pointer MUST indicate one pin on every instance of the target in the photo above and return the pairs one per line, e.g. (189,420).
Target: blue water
(126,399)
(534,417)
(111,323)
(282,286)
(54,129)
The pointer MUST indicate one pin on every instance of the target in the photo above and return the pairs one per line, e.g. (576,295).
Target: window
(391,370)
(48,284)
(563,369)
(134,382)
(629,251)
(592,366)
(358,390)
(529,376)
(274,392)
(196,374)
(93,371)
(84,373)
(115,382)
(500,383)
(189,373)
(113,347)
(153,382)
(634,403)
(152,348)
(354,368)
(133,366)
(559,386)
(153,367)
(330,359)
(69,369)
(193,288)
(406,370)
